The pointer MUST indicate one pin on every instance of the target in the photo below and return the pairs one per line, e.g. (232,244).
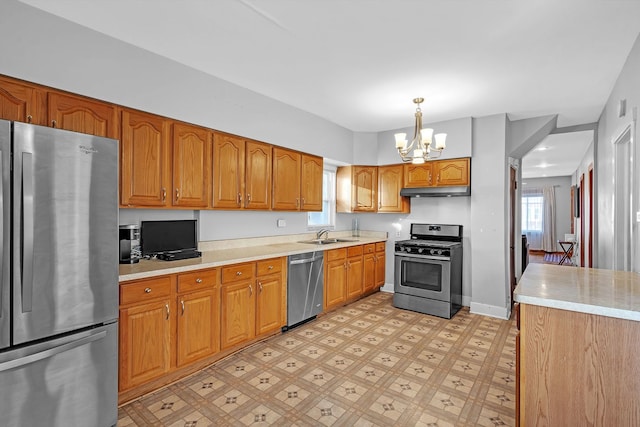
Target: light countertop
(219,253)
(587,290)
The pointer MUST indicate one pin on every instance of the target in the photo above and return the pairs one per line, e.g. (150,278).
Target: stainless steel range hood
(464,190)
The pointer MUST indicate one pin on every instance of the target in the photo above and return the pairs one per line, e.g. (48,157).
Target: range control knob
(420,250)
(408,250)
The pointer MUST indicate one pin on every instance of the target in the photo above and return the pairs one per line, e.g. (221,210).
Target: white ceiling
(359,63)
(557,155)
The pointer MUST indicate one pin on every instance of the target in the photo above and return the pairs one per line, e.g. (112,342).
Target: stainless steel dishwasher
(305,282)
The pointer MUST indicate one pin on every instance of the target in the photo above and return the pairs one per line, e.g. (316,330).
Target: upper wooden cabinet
(452,172)
(22,102)
(257,175)
(390,182)
(144,160)
(241,173)
(416,176)
(438,173)
(191,165)
(79,114)
(357,189)
(311,183)
(297,181)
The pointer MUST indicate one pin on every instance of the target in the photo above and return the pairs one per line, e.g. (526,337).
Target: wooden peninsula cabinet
(577,349)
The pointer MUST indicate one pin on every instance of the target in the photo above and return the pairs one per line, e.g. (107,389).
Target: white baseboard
(388,287)
(489,310)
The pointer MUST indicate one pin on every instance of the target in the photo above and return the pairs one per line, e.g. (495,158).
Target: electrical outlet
(282,223)
(638,216)
(397,234)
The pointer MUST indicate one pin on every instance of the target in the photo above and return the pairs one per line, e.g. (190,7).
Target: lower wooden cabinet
(198,326)
(335,278)
(145,342)
(252,301)
(354,272)
(380,264)
(166,322)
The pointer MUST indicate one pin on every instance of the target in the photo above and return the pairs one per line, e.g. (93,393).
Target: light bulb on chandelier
(422,147)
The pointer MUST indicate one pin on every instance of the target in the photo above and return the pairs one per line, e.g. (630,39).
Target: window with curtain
(538,218)
(532,207)
(326,218)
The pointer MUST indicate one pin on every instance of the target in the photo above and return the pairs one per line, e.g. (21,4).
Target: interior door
(65,210)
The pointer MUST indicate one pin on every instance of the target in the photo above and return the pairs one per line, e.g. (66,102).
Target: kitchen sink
(326,241)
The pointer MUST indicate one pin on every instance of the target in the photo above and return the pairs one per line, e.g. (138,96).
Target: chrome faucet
(321,232)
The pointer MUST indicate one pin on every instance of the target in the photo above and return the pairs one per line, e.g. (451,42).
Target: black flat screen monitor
(168,236)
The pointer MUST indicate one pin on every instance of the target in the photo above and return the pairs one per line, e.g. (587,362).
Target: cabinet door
(452,172)
(418,175)
(198,326)
(364,182)
(22,102)
(269,304)
(144,159)
(311,183)
(369,272)
(286,180)
(390,182)
(145,343)
(258,176)
(191,166)
(354,277)
(380,269)
(228,171)
(335,283)
(83,115)
(238,318)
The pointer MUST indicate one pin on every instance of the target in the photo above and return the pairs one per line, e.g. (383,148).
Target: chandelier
(421,147)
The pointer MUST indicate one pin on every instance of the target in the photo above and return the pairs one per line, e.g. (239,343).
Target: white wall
(562,189)
(489,217)
(610,126)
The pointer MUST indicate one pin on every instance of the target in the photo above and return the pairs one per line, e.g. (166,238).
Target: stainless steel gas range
(428,270)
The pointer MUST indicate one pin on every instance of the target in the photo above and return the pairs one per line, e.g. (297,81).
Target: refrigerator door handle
(22,361)
(27,232)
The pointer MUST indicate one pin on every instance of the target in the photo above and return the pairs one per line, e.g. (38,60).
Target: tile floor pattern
(367,364)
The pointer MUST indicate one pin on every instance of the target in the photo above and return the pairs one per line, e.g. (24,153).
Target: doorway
(623,162)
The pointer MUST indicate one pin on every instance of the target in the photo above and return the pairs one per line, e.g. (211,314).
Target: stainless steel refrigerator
(59,269)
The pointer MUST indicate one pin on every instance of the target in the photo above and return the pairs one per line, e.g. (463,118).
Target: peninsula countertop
(219,253)
(587,290)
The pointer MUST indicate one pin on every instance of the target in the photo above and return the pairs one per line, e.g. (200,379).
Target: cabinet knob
(239,199)
(167,307)
(250,290)
(53,123)
(248,198)
(198,280)
(238,273)
(164,194)
(271,267)
(147,290)
(182,302)
(29,118)
(177,194)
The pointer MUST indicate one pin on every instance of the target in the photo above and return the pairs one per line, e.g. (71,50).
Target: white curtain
(549,220)
(544,239)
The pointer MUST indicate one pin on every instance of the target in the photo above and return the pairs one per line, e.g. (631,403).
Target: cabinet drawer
(380,246)
(236,272)
(269,266)
(354,251)
(369,248)
(336,254)
(145,290)
(203,279)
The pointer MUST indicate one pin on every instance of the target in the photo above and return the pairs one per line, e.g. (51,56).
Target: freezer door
(5,230)
(65,231)
(70,381)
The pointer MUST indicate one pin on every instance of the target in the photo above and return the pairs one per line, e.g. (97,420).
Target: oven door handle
(425,257)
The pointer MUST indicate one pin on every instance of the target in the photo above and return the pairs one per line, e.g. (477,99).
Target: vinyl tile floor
(366,364)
